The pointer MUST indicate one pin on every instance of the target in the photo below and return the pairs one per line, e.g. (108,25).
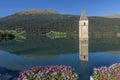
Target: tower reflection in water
(83,39)
(83,49)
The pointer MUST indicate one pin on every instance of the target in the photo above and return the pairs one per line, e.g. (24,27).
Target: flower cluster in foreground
(49,73)
(107,73)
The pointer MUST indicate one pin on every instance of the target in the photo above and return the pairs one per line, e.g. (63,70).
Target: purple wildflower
(107,73)
(48,73)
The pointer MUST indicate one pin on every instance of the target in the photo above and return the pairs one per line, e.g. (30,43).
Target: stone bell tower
(83,37)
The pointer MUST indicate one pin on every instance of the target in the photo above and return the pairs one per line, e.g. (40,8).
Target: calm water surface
(20,55)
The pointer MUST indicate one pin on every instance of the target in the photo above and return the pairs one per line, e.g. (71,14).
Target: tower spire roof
(83,16)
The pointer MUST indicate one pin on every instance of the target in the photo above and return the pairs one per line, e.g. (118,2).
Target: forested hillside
(35,22)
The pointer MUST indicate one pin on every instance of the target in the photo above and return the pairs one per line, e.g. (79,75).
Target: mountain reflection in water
(36,52)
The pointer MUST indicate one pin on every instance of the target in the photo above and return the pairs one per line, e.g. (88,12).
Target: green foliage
(1,32)
(54,35)
(18,34)
(39,24)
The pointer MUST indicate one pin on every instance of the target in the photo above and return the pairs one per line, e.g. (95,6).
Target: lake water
(15,56)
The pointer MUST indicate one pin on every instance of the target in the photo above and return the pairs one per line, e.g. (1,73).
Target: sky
(74,7)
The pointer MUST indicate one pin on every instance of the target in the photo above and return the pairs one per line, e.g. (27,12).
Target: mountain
(42,21)
(38,21)
(36,11)
(112,16)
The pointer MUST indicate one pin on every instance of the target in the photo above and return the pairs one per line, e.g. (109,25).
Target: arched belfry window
(84,24)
